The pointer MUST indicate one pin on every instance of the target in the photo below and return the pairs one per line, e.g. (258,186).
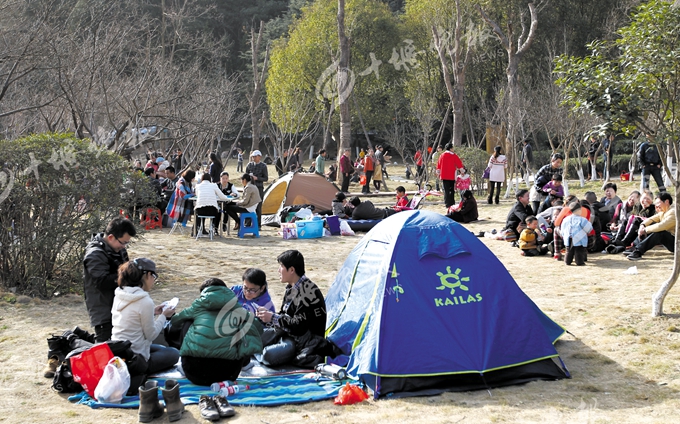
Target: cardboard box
(289,230)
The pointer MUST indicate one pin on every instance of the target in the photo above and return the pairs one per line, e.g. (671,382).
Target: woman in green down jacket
(221,338)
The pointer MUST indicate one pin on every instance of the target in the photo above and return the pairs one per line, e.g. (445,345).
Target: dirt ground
(624,363)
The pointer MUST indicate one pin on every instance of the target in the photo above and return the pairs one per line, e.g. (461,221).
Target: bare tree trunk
(515,53)
(459,60)
(343,83)
(666,286)
(258,82)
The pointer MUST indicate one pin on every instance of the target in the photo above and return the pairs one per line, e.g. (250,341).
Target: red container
(625,176)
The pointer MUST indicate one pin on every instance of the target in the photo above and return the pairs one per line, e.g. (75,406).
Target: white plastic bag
(304,213)
(345,229)
(114,383)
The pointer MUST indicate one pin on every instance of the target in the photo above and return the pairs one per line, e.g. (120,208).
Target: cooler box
(309,229)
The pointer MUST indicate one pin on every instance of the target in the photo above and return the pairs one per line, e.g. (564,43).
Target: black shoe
(208,409)
(611,249)
(223,408)
(635,256)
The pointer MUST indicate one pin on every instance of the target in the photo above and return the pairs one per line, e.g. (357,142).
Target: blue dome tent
(422,306)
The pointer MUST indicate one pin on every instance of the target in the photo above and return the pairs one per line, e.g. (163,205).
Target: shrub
(56,191)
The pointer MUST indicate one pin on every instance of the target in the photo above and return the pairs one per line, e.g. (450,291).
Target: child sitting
(574,230)
(402,199)
(530,239)
(462,180)
(340,206)
(554,189)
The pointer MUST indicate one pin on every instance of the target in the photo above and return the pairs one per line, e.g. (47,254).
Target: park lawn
(624,363)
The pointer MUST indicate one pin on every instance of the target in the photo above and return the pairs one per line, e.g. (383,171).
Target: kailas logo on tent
(454,283)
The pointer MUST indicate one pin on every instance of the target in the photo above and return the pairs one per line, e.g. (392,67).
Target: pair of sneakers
(215,407)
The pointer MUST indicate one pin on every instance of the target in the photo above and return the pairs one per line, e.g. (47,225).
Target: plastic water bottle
(216,387)
(230,390)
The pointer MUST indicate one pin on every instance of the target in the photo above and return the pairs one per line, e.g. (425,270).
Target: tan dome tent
(297,189)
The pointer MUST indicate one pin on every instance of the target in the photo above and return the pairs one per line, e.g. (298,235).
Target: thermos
(336,372)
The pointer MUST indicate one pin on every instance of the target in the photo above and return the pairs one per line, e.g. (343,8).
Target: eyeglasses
(252,291)
(155,276)
(124,243)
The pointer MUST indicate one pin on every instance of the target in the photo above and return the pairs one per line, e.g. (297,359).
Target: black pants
(652,239)
(539,251)
(233,211)
(260,188)
(345,182)
(205,371)
(497,185)
(208,211)
(579,254)
(367,187)
(103,332)
(655,172)
(626,238)
(449,192)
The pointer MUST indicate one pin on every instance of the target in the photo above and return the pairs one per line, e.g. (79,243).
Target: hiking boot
(51,367)
(173,405)
(57,347)
(208,409)
(149,407)
(223,408)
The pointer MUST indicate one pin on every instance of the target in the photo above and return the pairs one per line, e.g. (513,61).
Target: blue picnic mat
(264,391)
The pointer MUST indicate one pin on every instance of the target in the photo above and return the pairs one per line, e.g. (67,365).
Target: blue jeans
(279,353)
(161,358)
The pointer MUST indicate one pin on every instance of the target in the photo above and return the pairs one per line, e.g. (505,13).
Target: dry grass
(624,363)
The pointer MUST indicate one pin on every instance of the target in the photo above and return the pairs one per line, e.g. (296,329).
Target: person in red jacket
(369,168)
(347,169)
(447,166)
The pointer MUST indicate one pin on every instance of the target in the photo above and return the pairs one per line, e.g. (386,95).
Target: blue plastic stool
(252,228)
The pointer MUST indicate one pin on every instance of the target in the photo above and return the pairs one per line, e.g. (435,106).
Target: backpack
(650,154)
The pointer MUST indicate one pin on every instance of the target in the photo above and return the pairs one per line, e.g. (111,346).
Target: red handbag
(88,367)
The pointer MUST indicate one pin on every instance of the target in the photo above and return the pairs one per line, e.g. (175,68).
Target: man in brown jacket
(659,229)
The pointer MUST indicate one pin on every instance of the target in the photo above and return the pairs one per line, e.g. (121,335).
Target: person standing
(103,255)
(435,161)
(650,161)
(346,169)
(177,160)
(369,167)
(497,164)
(320,162)
(259,175)
(216,168)
(447,166)
(239,161)
(418,158)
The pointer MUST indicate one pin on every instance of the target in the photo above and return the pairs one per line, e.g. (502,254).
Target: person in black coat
(466,211)
(518,213)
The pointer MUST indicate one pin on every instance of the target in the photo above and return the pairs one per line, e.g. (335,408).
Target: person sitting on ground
(466,210)
(253,293)
(554,189)
(226,186)
(659,229)
(514,223)
(624,211)
(596,243)
(341,206)
(218,335)
(574,230)
(627,231)
(531,239)
(207,195)
(103,255)
(546,220)
(607,205)
(137,319)
(366,210)
(247,203)
(402,199)
(302,314)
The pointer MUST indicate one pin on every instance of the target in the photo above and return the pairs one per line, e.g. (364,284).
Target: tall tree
(633,83)
(258,82)
(343,84)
